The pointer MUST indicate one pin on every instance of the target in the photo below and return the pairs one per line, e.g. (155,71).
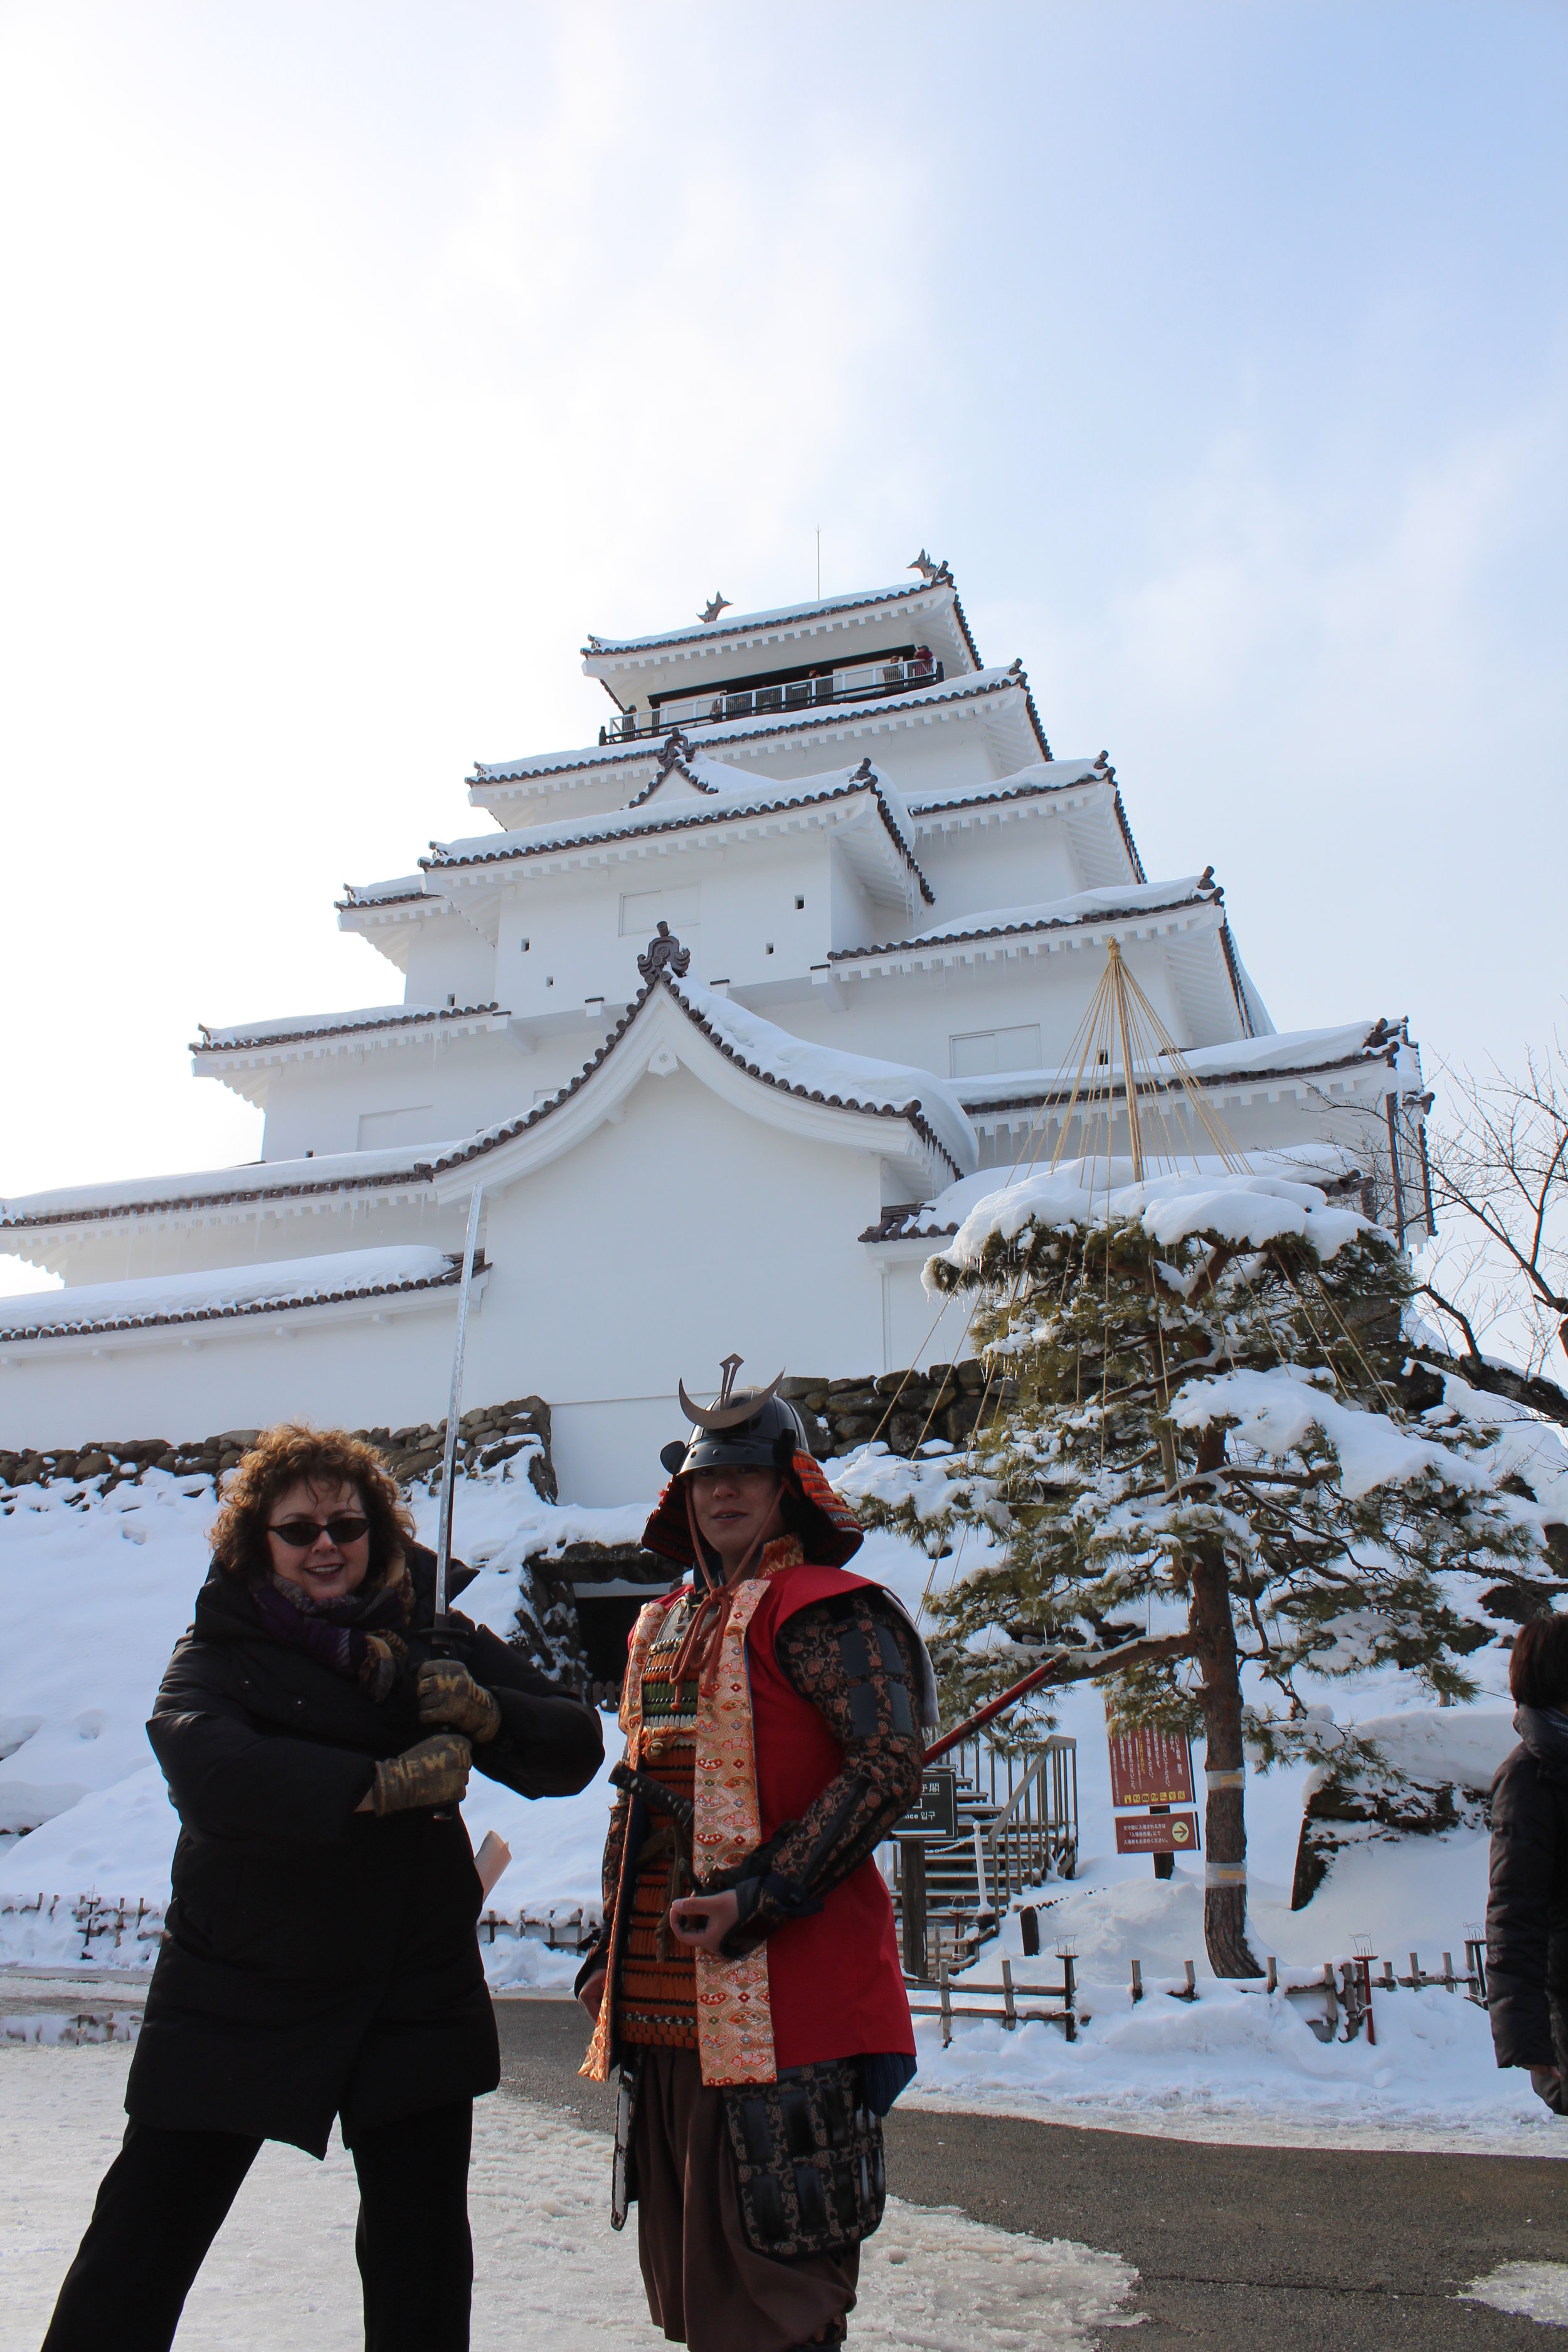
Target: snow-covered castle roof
(804,939)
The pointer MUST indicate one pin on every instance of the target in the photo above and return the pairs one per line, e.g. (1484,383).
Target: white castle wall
(1025,863)
(313,1364)
(912,1016)
(645,1255)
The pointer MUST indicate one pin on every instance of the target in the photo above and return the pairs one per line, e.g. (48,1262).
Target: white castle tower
(716,1009)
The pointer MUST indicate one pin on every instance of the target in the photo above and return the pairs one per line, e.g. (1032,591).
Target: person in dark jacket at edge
(1527,1908)
(747,1984)
(321,1958)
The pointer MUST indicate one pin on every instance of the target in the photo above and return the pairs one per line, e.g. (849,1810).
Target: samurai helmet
(753,1428)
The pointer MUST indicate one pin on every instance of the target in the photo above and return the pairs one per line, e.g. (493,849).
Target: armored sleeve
(854,1660)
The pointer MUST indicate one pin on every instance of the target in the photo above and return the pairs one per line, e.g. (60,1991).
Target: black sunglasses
(344,1527)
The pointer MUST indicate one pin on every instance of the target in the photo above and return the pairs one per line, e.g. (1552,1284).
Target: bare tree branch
(1500,1162)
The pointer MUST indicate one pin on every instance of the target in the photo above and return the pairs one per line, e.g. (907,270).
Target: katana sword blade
(455,1413)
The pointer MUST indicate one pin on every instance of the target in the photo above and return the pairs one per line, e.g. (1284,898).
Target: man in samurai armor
(747,1983)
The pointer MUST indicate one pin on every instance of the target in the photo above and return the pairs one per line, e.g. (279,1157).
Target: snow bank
(1242,2057)
(1237,2061)
(1434,1747)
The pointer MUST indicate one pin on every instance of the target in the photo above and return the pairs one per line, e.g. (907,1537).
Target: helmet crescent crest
(722,1413)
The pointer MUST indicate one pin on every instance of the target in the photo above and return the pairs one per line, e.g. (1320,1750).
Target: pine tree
(1203,1423)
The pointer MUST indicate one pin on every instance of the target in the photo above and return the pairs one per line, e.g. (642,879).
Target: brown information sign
(1150,1767)
(1157,1833)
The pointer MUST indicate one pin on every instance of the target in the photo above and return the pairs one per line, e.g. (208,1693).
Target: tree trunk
(1224,1826)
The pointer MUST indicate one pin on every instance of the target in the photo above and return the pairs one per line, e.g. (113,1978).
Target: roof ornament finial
(676,749)
(665,953)
(935,576)
(865,773)
(722,1413)
(721,603)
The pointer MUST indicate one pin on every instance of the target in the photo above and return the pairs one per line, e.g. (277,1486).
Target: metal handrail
(1032,1830)
(717,708)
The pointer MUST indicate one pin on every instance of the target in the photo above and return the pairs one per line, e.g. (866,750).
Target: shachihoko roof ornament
(722,1413)
(720,604)
(935,576)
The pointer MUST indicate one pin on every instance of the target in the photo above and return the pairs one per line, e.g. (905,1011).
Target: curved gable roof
(657,810)
(790,1067)
(822,1090)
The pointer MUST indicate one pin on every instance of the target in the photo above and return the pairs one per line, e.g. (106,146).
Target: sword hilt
(654,1792)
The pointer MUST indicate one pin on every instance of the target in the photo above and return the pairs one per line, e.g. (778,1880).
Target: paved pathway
(1236,2248)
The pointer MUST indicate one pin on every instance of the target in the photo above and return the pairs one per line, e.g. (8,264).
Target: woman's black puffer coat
(318,1961)
(1527,1909)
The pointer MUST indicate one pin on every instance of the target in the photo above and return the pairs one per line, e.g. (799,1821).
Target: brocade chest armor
(656,1992)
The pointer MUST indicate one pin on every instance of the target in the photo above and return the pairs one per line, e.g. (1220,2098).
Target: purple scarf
(342,1634)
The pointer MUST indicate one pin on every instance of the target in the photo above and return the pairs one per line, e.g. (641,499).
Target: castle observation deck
(778,663)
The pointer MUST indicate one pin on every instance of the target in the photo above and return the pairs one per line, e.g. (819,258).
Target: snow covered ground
(94,1594)
(547,2263)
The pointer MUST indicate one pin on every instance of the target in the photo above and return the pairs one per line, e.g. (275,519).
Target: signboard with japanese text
(1150,1767)
(1157,1833)
(935,1813)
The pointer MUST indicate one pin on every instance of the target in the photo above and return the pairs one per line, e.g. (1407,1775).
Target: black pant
(164,2199)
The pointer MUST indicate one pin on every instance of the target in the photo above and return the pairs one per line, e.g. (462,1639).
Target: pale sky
(359,359)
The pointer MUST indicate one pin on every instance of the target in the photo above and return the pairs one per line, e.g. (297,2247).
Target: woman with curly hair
(321,1958)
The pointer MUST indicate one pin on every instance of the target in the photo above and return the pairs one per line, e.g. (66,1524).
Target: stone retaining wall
(903,1409)
(487,1436)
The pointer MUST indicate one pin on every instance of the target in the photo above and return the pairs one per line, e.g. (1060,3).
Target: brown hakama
(707,2285)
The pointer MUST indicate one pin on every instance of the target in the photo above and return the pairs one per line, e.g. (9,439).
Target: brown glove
(449,1694)
(436,1772)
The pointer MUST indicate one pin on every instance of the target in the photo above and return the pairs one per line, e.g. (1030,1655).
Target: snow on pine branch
(1280,1413)
(890,1489)
(1246,1212)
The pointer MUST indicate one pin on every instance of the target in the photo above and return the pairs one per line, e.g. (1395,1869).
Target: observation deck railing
(863,683)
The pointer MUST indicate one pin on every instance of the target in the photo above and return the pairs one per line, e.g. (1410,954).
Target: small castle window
(798,904)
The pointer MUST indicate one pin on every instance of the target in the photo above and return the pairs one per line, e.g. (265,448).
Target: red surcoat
(834,1983)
